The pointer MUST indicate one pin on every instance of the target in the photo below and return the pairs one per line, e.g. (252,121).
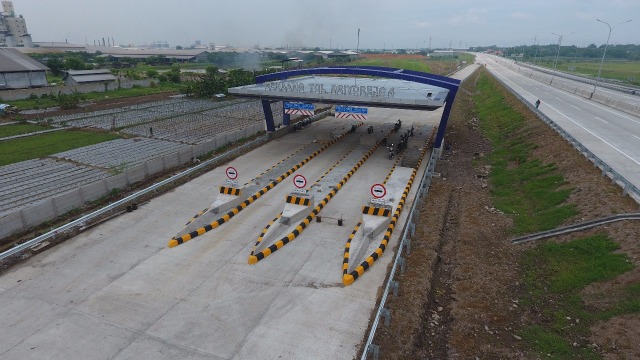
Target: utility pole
(605,51)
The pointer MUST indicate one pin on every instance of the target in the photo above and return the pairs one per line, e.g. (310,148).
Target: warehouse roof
(87,76)
(12,60)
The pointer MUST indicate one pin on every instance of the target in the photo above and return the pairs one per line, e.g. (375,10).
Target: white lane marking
(604,121)
(584,128)
(558,98)
(636,137)
(575,107)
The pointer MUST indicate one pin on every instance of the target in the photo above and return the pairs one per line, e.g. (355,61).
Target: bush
(152,73)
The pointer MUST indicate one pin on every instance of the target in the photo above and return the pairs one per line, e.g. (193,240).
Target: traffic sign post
(232,175)
(300,182)
(378,191)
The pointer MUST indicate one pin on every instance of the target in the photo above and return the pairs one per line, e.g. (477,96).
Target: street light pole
(605,51)
(555,63)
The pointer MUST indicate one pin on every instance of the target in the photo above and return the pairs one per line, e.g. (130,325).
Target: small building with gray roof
(19,71)
(76,77)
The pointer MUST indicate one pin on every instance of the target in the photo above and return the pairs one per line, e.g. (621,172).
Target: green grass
(97,96)
(554,276)
(619,70)
(33,147)
(530,191)
(408,64)
(19,129)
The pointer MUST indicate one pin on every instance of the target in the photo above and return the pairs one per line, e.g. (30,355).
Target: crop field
(19,129)
(409,62)
(627,71)
(37,146)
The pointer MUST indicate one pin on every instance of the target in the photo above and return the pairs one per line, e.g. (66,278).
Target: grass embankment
(535,195)
(624,71)
(19,129)
(37,146)
(531,191)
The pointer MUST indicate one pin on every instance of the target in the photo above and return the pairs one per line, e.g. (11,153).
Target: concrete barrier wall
(116,182)
(135,173)
(93,191)
(21,220)
(19,94)
(171,160)
(11,224)
(185,155)
(38,213)
(66,202)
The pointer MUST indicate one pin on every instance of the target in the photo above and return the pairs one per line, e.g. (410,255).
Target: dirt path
(460,296)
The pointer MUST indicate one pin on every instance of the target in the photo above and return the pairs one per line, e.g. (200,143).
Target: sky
(383,24)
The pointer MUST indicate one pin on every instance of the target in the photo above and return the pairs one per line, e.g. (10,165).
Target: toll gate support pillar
(268,116)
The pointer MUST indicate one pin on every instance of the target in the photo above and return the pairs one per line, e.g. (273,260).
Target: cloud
(423,24)
(472,16)
(520,16)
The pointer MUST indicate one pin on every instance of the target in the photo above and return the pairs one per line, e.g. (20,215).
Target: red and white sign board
(298,112)
(378,191)
(351,116)
(232,173)
(299,181)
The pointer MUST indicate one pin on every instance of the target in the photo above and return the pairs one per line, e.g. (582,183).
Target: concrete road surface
(118,292)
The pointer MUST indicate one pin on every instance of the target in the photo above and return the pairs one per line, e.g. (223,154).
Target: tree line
(629,52)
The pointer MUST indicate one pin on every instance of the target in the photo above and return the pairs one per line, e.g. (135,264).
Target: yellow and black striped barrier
(255,257)
(229,190)
(298,200)
(376,211)
(349,278)
(196,216)
(266,228)
(226,217)
(347,247)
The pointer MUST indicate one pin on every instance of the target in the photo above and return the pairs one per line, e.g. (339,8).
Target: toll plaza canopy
(350,85)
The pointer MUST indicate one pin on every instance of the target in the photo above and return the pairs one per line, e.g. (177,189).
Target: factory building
(13,29)
(19,71)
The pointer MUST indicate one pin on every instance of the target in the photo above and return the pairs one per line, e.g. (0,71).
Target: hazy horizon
(405,24)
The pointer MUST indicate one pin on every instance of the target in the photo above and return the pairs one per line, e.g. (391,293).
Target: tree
(56,65)
(74,63)
(174,74)
(178,47)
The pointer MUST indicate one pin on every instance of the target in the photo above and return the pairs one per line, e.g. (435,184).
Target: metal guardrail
(399,262)
(627,187)
(575,227)
(79,223)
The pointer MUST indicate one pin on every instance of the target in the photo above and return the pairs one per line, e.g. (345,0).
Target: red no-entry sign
(378,191)
(232,173)
(299,181)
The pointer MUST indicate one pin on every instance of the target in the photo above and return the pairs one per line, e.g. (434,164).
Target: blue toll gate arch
(372,71)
